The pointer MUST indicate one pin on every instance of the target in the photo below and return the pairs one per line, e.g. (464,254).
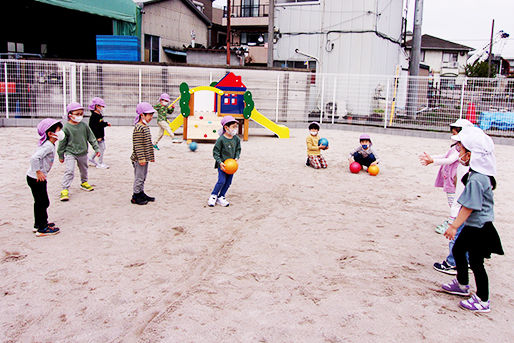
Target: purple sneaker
(475,304)
(454,288)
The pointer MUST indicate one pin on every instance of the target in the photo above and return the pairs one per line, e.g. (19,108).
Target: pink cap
(73,106)
(165,96)
(364,136)
(96,101)
(143,107)
(43,126)
(224,121)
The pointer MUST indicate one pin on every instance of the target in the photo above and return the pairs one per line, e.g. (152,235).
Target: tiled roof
(433,43)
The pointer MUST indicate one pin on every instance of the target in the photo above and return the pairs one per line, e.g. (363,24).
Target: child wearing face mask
(162,118)
(478,237)
(227,146)
(97,125)
(73,149)
(447,175)
(314,157)
(142,152)
(364,153)
(40,164)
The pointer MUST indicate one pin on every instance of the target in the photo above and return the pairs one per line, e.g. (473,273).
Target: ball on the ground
(355,167)
(373,170)
(323,141)
(188,141)
(193,146)
(230,166)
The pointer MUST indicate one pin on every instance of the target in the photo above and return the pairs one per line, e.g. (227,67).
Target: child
(73,148)
(479,237)
(227,146)
(314,158)
(162,118)
(40,164)
(97,125)
(142,152)
(446,177)
(364,153)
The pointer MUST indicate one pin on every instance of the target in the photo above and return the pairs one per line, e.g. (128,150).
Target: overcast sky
(466,22)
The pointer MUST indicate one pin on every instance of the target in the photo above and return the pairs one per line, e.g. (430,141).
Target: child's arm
(463,215)
(350,157)
(454,156)
(62,146)
(377,159)
(170,109)
(216,151)
(91,138)
(36,163)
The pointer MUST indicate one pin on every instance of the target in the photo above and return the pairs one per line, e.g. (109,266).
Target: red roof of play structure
(231,80)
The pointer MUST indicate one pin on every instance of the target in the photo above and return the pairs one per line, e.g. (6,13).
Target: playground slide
(280,130)
(176,123)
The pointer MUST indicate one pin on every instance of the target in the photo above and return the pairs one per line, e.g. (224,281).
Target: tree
(479,69)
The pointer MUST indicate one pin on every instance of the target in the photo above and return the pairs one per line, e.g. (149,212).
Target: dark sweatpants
(41,202)
(364,161)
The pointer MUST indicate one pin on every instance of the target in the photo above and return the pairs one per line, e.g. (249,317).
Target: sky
(467,22)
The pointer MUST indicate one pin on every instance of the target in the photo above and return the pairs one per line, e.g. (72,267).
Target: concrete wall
(212,58)
(173,21)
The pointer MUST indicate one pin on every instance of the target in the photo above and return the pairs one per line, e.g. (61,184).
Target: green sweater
(226,148)
(75,140)
(162,112)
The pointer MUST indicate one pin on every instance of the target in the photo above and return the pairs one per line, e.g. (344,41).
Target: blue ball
(323,141)
(193,146)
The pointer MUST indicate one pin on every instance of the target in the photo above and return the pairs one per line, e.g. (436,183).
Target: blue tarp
(497,120)
(117,48)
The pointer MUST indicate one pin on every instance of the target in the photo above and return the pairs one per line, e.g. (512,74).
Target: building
(444,58)
(334,36)
(249,29)
(170,26)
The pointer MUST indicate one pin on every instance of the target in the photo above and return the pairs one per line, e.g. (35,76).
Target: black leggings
(41,202)
(471,240)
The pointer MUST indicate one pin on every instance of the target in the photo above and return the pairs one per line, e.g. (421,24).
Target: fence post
(73,82)
(334,98)
(6,90)
(139,85)
(278,95)
(80,84)
(64,88)
(210,78)
(322,98)
(387,104)
(462,98)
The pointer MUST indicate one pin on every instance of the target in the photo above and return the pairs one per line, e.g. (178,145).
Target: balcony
(450,64)
(247,15)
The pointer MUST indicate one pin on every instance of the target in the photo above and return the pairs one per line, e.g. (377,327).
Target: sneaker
(138,199)
(475,304)
(48,231)
(445,268)
(65,195)
(92,162)
(102,166)
(442,228)
(212,200)
(34,230)
(308,163)
(176,140)
(156,147)
(222,201)
(148,198)
(86,187)
(454,288)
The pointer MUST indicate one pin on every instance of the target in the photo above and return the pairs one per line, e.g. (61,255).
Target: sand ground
(301,255)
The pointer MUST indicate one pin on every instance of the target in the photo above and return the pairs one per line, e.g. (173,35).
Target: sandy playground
(301,255)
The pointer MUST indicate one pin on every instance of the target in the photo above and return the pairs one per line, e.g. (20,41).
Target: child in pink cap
(163,110)
(40,164)
(97,124)
(227,146)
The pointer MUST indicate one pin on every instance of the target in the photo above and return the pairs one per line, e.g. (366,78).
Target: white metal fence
(33,89)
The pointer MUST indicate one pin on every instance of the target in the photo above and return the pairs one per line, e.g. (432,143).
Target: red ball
(355,167)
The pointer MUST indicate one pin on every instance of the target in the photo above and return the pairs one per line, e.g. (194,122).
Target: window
(152,48)
(422,55)
(250,8)
(450,57)
(253,38)
(15,47)
(234,99)
(311,65)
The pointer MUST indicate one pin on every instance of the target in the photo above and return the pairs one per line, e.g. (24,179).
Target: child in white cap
(163,110)
(40,164)
(73,149)
(142,152)
(478,237)
(97,125)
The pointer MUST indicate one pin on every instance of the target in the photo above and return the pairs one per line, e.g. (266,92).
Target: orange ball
(373,170)
(230,166)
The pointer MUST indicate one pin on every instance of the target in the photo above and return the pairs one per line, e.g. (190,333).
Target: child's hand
(450,232)
(373,163)
(108,124)
(61,160)
(142,163)
(97,154)
(99,139)
(222,166)
(40,176)
(351,159)
(425,159)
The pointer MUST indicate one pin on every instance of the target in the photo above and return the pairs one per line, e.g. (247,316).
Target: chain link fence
(36,89)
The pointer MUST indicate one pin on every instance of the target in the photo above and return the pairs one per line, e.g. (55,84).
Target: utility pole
(490,52)
(228,32)
(415,53)
(271,31)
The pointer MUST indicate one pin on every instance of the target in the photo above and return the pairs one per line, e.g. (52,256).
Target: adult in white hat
(479,237)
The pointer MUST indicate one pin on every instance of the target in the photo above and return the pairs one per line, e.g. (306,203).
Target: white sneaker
(222,201)
(102,166)
(212,200)
(92,163)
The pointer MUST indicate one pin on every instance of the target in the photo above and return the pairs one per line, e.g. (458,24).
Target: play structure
(201,109)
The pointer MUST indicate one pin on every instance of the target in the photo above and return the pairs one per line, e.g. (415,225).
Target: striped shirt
(142,148)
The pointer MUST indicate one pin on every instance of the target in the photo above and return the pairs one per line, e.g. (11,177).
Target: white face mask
(165,103)
(59,135)
(233,132)
(314,133)
(144,121)
(77,119)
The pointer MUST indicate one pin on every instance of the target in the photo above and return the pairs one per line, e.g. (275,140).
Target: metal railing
(243,11)
(37,89)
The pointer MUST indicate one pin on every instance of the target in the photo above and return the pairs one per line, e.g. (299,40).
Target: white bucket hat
(462,123)
(482,149)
